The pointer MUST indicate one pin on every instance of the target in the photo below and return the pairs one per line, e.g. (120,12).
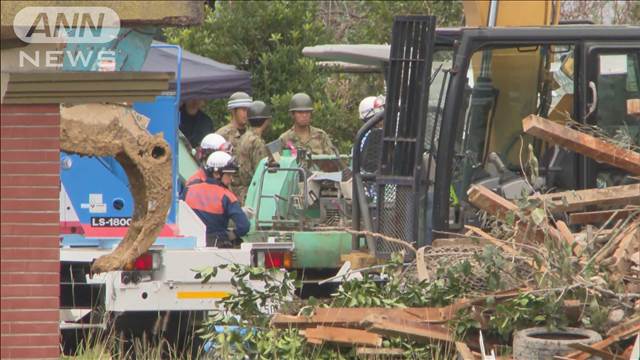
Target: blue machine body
(98,188)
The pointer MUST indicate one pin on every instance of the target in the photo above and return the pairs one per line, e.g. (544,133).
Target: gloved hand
(249,212)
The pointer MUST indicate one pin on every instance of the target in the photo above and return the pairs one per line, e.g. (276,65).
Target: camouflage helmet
(259,110)
(239,99)
(301,102)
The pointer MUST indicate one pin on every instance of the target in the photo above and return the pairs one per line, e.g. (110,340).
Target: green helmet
(301,102)
(239,99)
(259,110)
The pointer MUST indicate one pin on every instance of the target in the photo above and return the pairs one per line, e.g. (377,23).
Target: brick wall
(29,238)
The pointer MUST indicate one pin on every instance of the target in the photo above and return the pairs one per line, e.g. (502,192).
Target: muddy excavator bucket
(119,131)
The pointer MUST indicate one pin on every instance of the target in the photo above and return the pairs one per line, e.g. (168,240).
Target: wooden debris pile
(599,229)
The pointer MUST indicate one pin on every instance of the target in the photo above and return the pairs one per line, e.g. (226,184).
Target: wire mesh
(515,272)
(395,218)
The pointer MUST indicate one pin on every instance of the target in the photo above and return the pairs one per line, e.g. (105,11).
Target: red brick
(26,168)
(29,266)
(24,204)
(30,315)
(29,242)
(31,144)
(30,108)
(30,327)
(30,303)
(29,119)
(30,229)
(31,340)
(30,290)
(30,278)
(28,156)
(30,352)
(41,193)
(9,132)
(29,254)
(42,180)
(37,217)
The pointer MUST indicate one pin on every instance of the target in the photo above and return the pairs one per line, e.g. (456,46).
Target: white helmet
(215,142)
(210,143)
(370,106)
(221,161)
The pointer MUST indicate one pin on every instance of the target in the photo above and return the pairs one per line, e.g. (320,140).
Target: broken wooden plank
(579,200)
(601,216)
(627,247)
(464,351)
(633,107)
(616,334)
(585,144)
(502,246)
(565,233)
(593,351)
(376,353)
(612,245)
(353,317)
(494,204)
(287,321)
(420,332)
(343,336)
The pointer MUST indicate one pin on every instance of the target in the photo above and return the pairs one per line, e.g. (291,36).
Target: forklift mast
(398,183)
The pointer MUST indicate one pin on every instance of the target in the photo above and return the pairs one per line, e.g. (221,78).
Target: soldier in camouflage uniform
(252,147)
(302,135)
(238,104)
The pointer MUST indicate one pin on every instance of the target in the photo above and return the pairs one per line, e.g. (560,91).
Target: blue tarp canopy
(202,78)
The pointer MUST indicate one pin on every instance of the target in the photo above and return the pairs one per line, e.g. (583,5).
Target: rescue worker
(215,204)
(238,105)
(194,123)
(252,147)
(209,144)
(302,135)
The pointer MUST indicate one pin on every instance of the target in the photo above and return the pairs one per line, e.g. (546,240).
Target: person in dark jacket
(215,204)
(194,123)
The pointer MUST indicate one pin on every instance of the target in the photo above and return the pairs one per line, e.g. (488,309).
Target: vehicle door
(612,77)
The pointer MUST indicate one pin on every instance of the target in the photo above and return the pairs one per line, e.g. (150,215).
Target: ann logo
(75,28)
(80,24)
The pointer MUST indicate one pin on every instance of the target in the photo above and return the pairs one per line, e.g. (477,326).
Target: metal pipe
(261,196)
(493,13)
(355,210)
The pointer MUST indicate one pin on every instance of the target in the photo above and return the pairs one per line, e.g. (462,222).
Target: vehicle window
(504,86)
(617,81)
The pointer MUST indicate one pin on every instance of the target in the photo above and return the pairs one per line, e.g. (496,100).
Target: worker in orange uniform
(215,204)
(210,143)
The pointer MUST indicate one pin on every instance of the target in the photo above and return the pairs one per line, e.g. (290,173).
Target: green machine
(304,200)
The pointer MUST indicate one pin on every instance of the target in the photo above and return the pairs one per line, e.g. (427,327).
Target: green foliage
(394,289)
(526,310)
(266,38)
(379,17)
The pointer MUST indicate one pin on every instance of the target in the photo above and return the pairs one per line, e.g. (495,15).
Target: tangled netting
(514,272)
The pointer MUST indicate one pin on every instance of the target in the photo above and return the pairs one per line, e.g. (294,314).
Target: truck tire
(539,343)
